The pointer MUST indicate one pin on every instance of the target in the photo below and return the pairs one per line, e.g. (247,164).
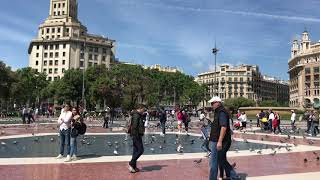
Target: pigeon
(36,139)
(261,139)
(281,141)
(305,160)
(279,147)
(15,142)
(3,143)
(254,132)
(274,153)
(52,139)
(259,152)
(251,149)
(88,143)
(109,143)
(318,158)
(152,150)
(294,137)
(295,144)
(192,141)
(116,142)
(288,149)
(311,142)
(237,150)
(198,161)
(272,148)
(115,152)
(315,153)
(160,147)
(180,149)
(245,141)
(267,136)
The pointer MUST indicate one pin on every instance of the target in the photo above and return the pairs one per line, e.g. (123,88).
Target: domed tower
(295,48)
(305,41)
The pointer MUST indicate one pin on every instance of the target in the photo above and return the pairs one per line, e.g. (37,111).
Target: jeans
(270,125)
(186,125)
(74,148)
(137,150)
(163,127)
(224,165)
(292,125)
(213,162)
(315,129)
(205,135)
(65,138)
(309,123)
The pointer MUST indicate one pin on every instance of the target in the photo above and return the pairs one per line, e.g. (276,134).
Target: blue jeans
(65,138)
(270,125)
(213,162)
(73,144)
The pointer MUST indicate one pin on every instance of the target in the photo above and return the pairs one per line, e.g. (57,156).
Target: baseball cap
(215,99)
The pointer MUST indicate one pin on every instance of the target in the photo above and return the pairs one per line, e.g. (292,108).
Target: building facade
(64,43)
(304,73)
(243,81)
(163,68)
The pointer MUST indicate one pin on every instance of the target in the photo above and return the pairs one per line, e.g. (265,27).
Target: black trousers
(186,125)
(224,165)
(163,126)
(137,150)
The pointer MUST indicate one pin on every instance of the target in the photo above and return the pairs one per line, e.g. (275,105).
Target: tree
(236,103)
(269,103)
(6,80)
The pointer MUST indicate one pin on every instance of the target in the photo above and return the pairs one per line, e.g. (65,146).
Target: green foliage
(236,103)
(269,103)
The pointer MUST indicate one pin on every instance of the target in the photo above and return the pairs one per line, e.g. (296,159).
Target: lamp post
(215,52)
(83,73)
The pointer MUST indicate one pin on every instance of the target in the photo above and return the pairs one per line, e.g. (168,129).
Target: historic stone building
(64,43)
(304,73)
(243,81)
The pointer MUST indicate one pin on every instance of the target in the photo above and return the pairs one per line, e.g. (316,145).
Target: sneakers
(68,159)
(59,156)
(74,158)
(131,169)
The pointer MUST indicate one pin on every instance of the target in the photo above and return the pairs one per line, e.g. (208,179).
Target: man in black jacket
(136,132)
(220,137)
(163,119)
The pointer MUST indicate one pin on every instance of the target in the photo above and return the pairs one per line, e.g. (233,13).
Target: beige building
(64,43)
(163,69)
(304,73)
(243,81)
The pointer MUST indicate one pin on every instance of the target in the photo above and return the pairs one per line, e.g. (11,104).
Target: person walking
(64,121)
(315,125)
(75,124)
(220,138)
(186,120)
(243,119)
(271,118)
(163,120)
(293,120)
(136,132)
(179,117)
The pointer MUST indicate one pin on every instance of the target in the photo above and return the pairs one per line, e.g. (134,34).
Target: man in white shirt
(293,120)
(271,118)
(64,121)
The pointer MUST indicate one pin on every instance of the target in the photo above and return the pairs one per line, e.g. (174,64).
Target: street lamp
(215,52)
(83,71)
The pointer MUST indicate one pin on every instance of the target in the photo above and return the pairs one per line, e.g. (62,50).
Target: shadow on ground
(153,168)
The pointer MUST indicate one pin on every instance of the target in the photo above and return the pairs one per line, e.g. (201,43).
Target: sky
(177,33)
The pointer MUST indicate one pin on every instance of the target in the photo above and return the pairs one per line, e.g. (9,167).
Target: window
(56,70)
(45,55)
(37,63)
(52,36)
(96,49)
(37,55)
(58,36)
(90,49)
(59,5)
(103,58)
(50,63)
(50,71)
(63,70)
(54,13)
(47,37)
(64,46)
(55,5)
(104,50)
(316,69)
(48,30)
(62,12)
(55,78)
(38,47)
(58,13)
(53,30)
(81,63)
(63,5)
(56,54)
(90,56)
(42,31)
(51,55)
(49,78)
(67,30)
(81,55)
(96,57)
(51,47)
(59,30)
(307,70)
(56,62)
(63,62)
(57,46)
(64,54)
(45,70)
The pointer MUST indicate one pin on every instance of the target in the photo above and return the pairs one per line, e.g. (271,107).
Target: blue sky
(176,32)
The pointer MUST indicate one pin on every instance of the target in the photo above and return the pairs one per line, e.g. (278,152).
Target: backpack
(81,128)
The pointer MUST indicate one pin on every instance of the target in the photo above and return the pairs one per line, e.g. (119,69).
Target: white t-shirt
(202,116)
(65,120)
(243,118)
(293,116)
(271,116)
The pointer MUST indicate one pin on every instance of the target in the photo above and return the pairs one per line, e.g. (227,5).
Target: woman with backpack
(76,122)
